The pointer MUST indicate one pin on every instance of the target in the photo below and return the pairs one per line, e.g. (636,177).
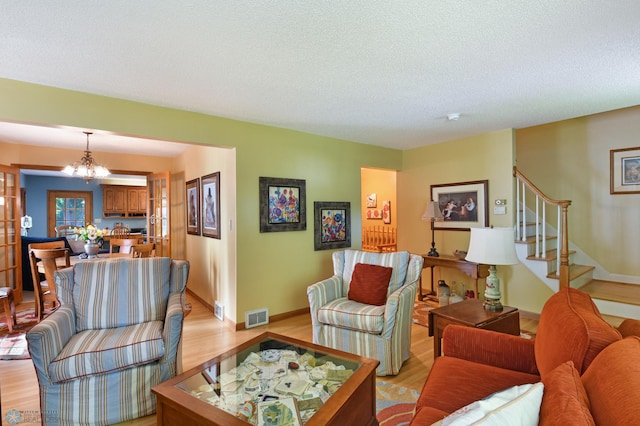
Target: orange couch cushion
(571,329)
(630,327)
(565,400)
(612,383)
(453,383)
(370,284)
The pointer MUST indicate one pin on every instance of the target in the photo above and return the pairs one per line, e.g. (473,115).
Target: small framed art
(332,225)
(625,171)
(463,205)
(282,204)
(193,206)
(211,205)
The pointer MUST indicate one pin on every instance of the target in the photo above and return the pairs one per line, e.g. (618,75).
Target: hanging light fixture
(86,168)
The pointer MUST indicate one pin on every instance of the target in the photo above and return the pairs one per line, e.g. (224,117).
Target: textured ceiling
(377,72)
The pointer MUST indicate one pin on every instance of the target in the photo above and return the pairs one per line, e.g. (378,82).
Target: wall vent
(256,318)
(218,310)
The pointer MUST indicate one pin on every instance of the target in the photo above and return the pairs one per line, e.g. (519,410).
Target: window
(74,208)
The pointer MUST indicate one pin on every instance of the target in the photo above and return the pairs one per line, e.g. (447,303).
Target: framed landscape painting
(464,205)
(193,206)
(332,225)
(211,205)
(282,204)
(625,171)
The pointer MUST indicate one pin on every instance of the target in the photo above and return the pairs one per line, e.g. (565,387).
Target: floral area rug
(14,345)
(421,312)
(394,404)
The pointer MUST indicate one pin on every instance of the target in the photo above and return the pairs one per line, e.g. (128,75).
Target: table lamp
(431,214)
(492,246)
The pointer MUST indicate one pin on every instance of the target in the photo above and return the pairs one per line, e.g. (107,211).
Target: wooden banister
(540,234)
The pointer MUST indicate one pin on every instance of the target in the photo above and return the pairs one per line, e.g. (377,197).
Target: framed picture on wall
(624,173)
(332,225)
(211,205)
(193,206)
(463,205)
(282,204)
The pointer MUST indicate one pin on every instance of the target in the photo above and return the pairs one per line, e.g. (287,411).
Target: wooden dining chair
(66,231)
(120,231)
(47,245)
(123,245)
(143,250)
(45,289)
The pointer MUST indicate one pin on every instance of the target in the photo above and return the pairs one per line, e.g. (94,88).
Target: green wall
(273,269)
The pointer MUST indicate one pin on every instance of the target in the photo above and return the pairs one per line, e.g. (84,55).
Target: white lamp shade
(432,212)
(492,246)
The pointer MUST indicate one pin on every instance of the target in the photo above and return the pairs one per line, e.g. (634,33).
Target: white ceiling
(377,72)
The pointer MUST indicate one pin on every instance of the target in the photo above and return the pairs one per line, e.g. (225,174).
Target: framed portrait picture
(332,225)
(193,206)
(625,171)
(211,205)
(464,205)
(282,204)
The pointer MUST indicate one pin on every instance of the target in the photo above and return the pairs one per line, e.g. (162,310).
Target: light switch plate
(500,210)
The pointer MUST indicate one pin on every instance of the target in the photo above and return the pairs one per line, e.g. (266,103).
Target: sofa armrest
(629,327)
(490,348)
(47,339)
(172,331)
(399,308)
(323,292)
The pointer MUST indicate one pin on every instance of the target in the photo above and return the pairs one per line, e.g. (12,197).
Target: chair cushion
(120,292)
(565,401)
(93,352)
(611,382)
(571,329)
(345,313)
(369,284)
(399,261)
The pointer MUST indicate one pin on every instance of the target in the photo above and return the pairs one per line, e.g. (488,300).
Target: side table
(471,313)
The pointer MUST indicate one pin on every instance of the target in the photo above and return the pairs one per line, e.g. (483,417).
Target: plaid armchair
(115,336)
(378,332)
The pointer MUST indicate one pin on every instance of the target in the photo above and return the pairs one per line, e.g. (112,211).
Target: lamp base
(433,252)
(492,305)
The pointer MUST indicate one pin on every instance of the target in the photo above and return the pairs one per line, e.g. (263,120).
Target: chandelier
(86,168)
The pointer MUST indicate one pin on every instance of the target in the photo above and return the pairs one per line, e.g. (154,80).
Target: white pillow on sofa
(518,405)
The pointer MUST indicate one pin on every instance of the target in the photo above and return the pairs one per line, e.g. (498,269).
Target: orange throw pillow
(370,284)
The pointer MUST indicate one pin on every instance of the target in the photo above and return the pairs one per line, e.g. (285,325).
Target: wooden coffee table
(471,313)
(215,392)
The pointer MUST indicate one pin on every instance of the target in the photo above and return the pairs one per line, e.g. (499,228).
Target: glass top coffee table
(272,380)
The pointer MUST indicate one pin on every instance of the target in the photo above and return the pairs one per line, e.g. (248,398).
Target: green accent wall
(270,269)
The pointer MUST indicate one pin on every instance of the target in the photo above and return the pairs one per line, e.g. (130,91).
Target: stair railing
(525,188)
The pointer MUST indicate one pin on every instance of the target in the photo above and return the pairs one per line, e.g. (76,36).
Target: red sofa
(589,369)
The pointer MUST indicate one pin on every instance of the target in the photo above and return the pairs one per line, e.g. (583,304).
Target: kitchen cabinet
(124,201)
(137,201)
(114,201)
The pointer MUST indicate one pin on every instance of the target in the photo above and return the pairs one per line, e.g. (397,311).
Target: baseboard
(278,317)
(227,322)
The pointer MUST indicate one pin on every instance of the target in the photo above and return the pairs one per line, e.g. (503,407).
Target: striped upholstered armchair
(115,336)
(344,318)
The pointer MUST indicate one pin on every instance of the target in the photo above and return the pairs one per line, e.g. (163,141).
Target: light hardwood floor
(204,337)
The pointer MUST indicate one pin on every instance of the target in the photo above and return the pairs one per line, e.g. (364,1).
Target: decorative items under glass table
(273,380)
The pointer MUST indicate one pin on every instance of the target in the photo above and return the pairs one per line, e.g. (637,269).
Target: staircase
(548,253)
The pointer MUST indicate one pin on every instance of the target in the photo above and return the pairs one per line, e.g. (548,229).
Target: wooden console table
(473,270)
